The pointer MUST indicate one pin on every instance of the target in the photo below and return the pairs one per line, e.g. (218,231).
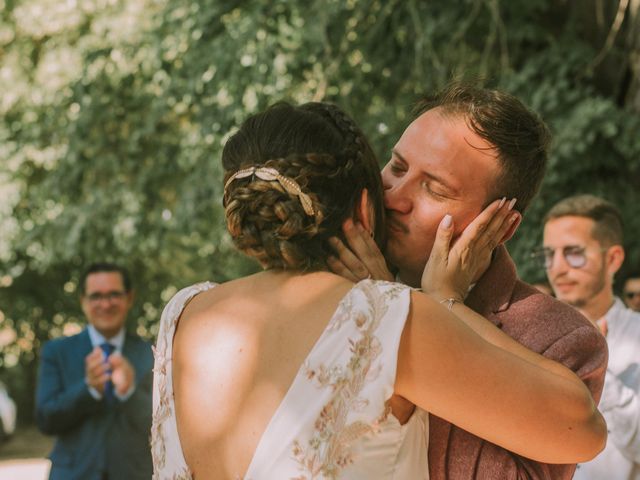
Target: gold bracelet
(449,302)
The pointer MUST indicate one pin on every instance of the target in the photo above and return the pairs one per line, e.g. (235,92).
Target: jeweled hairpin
(270,175)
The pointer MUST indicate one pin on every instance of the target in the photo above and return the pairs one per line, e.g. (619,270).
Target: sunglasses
(630,294)
(574,255)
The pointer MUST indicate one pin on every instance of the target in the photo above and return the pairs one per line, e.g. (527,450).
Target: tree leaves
(114,114)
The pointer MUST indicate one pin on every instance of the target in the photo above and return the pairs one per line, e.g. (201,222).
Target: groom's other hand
(361,258)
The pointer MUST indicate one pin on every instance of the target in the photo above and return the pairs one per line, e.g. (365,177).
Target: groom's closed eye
(397,163)
(396,169)
(435,189)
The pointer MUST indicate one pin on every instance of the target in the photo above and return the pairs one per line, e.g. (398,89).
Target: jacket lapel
(83,344)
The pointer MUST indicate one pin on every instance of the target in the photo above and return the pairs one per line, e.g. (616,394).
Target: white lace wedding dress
(334,421)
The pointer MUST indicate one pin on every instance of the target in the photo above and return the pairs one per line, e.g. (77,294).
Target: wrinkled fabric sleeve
(622,406)
(585,352)
(582,350)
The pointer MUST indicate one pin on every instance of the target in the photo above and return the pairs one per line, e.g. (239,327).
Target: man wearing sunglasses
(94,388)
(582,251)
(631,290)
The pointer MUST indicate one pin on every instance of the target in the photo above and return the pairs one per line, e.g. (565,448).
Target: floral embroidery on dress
(329,449)
(184,474)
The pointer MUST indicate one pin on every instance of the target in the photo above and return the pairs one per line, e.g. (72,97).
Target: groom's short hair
(520,138)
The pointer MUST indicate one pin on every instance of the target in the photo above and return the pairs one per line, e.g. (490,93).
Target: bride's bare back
(237,350)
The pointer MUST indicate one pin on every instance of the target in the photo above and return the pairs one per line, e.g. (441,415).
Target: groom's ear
(512,229)
(364,211)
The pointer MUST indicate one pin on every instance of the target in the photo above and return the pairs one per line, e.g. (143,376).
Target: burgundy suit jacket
(544,325)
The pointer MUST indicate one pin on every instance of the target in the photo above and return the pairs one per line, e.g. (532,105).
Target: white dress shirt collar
(97,338)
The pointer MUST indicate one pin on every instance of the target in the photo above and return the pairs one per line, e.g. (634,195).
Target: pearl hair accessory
(272,175)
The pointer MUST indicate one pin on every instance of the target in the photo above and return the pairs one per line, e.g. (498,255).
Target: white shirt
(117,341)
(98,339)
(620,402)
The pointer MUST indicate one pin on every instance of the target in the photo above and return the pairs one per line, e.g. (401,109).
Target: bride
(288,373)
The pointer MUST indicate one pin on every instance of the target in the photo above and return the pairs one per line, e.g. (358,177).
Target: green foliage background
(114,113)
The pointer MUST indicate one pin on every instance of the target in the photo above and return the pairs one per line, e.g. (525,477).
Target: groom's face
(439,166)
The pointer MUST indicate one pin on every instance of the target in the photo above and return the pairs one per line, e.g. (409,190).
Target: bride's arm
(488,383)
(511,397)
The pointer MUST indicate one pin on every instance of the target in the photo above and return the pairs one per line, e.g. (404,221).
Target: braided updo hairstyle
(321,148)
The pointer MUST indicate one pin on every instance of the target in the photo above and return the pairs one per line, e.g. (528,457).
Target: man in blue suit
(94,388)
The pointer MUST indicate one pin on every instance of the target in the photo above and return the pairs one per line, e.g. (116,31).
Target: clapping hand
(96,370)
(451,269)
(117,369)
(123,375)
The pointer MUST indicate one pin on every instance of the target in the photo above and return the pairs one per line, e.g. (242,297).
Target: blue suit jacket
(94,438)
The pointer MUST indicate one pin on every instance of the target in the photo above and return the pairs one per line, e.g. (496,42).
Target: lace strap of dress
(168,461)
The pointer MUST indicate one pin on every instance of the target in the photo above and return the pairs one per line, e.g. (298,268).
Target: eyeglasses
(111,296)
(574,255)
(630,294)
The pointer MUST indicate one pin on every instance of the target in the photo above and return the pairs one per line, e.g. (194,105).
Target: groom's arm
(456,454)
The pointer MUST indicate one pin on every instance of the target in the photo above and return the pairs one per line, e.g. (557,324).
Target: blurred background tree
(114,113)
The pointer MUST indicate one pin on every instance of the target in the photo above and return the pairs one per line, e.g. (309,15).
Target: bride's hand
(452,268)
(361,258)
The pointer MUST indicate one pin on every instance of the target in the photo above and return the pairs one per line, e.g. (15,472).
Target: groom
(467,147)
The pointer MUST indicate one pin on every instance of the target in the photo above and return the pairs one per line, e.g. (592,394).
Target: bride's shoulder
(178,300)
(187,293)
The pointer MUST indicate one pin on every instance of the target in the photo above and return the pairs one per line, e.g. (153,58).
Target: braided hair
(318,146)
